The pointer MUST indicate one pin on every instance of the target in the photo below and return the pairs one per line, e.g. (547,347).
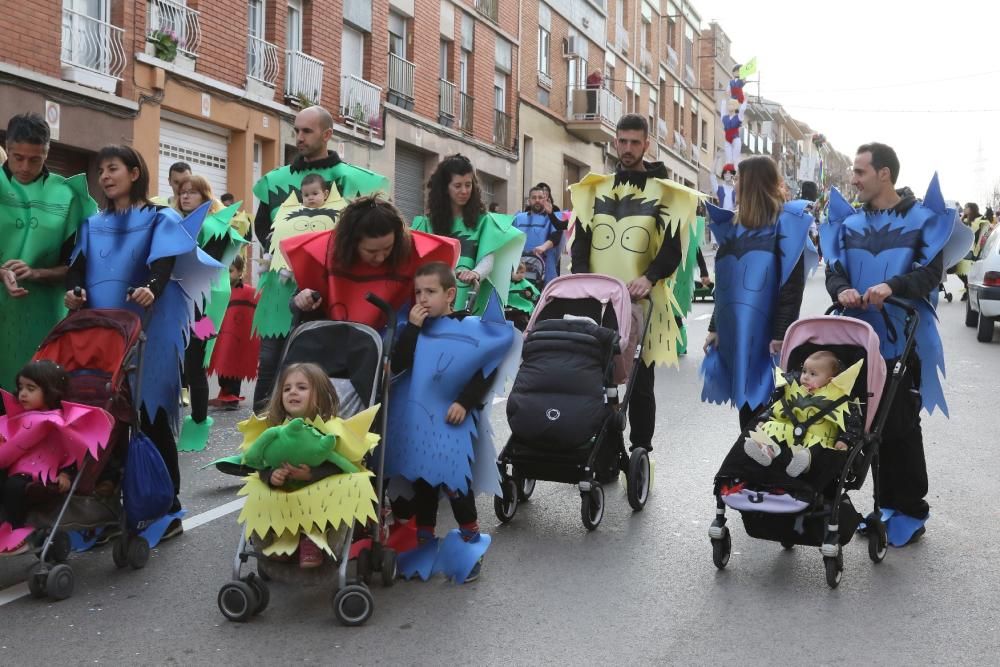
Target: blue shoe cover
(418,562)
(902,528)
(456,557)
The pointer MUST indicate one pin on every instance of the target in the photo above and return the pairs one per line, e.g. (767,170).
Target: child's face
(519,273)
(816,375)
(30,395)
(429,294)
(296,395)
(234,275)
(313,196)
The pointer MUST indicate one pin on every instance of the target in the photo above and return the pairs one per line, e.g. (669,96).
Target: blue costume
(119,249)
(751,266)
(538,229)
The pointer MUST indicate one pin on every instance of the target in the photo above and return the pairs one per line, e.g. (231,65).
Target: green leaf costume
(216,226)
(273,318)
(495,235)
(523,296)
(35,221)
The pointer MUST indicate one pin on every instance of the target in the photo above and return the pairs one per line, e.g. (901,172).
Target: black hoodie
(666,261)
(915,284)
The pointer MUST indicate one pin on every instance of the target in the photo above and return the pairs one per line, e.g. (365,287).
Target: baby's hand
(64,482)
(456,414)
(301,473)
(840,446)
(278,476)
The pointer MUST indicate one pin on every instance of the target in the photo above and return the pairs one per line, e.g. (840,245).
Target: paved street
(640,590)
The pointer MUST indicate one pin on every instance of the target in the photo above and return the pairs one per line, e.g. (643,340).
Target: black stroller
(790,511)
(356,359)
(565,416)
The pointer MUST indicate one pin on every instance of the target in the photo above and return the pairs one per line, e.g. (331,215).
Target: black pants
(903,469)
(425,499)
(267,370)
(642,408)
(746,418)
(15,507)
(159,432)
(228,385)
(196,379)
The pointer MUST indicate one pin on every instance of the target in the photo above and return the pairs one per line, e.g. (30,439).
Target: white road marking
(704,316)
(499,399)
(18,591)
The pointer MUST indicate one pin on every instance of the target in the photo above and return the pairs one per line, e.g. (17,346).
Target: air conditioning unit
(570,47)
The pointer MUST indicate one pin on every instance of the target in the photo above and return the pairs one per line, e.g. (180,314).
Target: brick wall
(222,54)
(322,26)
(34,47)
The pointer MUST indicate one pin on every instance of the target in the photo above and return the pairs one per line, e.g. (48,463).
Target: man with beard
(541,237)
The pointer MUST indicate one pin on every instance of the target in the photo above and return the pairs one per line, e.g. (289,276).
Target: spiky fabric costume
(495,235)
(217,230)
(35,221)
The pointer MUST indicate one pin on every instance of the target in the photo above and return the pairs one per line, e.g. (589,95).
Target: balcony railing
(303,77)
(359,101)
(262,60)
(621,38)
(489,9)
(400,81)
(176,18)
(466,103)
(689,77)
(501,128)
(661,129)
(595,104)
(92,45)
(672,60)
(646,61)
(446,102)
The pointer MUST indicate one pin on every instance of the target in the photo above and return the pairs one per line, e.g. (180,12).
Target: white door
(293,30)
(205,151)
(352,53)
(85,33)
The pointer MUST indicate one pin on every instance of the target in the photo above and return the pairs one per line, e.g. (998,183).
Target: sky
(923,77)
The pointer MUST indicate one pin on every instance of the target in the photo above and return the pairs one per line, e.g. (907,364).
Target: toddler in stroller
(525,285)
(802,498)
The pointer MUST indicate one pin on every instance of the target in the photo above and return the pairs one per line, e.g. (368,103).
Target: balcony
(303,78)
(594,113)
(466,103)
(621,38)
(262,61)
(689,77)
(672,60)
(646,61)
(359,102)
(501,128)
(446,102)
(92,51)
(489,8)
(400,82)
(661,130)
(174,18)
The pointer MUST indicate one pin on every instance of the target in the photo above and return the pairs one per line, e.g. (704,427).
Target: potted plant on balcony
(165,44)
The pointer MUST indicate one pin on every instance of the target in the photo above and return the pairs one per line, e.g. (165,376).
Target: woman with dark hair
(759,279)
(490,245)
(370,250)
(134,255)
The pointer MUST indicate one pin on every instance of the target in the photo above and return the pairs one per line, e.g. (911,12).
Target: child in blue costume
(137,256)
(435,437)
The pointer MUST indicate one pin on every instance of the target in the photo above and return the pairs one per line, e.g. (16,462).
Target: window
(397,35)
(463,71)
(544,42)
(694,128)
(672,14)
(445,60)
(500,90)
(255,18)
(678,107)
(352,53)
(688,45)
(647,26)
(293,28)
(704,134)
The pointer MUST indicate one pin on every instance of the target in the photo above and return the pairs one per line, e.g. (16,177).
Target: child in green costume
(522,298)
(490,245)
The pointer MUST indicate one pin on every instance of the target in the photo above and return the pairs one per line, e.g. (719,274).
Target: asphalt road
(639,590)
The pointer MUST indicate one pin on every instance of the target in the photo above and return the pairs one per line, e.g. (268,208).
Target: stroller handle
(387,310)
(906,306)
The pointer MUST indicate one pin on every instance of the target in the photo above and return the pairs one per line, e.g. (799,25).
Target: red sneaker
(309,554)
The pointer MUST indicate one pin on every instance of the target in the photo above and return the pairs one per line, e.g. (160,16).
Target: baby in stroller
(813,416)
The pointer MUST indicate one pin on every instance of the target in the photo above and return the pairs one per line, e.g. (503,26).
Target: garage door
(408,183)
(205,151)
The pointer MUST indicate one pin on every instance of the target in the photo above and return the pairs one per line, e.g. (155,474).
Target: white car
(982,310)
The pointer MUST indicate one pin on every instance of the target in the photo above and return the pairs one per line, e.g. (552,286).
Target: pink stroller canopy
(834,330)
(605,289)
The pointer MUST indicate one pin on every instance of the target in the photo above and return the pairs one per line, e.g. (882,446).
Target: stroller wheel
(353,604)
(637,481)
(389,569)
(722,548)
(261,590)
(119,552)
(137,553)
(60,547)
(60,582)
(505,507)
(592,506)
(834,570)
(237,601)
(878,538)
(787,546)
(525,488)
(37,579)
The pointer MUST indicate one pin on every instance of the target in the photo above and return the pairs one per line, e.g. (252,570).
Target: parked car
(982,310)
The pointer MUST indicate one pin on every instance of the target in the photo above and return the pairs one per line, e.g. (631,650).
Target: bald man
(272,318)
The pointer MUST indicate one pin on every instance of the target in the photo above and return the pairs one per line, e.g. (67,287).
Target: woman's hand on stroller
(75,298)
(456,414)
(141,296)
(774,347)
(711,340)
(307,300)
(639,288)
(468,276)
(877,294)
(849,298)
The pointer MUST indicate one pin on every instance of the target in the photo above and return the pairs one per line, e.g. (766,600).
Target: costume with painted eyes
(629,224)
(117,250)
(35,221)
(495,235)
(751,266)
(282,186)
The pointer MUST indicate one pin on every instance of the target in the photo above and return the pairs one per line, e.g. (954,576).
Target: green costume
(35,221)
(217,226)
(682,282)
(523,296)
(495,235)
(273,318)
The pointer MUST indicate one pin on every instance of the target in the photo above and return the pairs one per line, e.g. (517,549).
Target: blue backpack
(147,490)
